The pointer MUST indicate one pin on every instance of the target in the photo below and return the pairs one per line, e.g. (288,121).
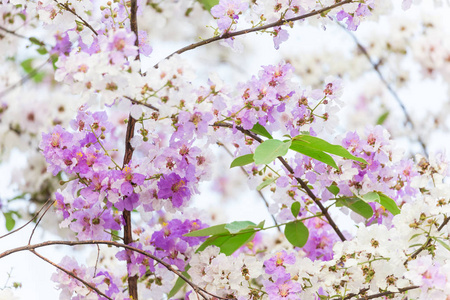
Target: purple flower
(278,261)
(227,12)
(280,35)
(283,288)
(144,48)
(173,187)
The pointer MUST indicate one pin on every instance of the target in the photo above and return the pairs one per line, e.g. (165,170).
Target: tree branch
(308,191)
(281,22)
(141,103)
(71,274)
(428,242)
(387,85)
(195,287)
(66,7)
(259,192)
(29,221)
(25,78)
(402,290)
(128,235)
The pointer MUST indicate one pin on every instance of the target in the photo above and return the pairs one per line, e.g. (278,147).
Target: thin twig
(25,78)
(18,35)
(428,242)
(195,287)
(308,191)
(71,274)
(28,222)
(66,7)
(141,103)
(401,290)
(391,90)
(259,192)
(37,223)
(281,22)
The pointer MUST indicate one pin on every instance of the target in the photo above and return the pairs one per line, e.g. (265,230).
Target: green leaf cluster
(228,237)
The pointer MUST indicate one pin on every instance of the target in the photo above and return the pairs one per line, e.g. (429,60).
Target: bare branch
(66,7)
(195,287)
(71,274)
(281,22)
(38,221)
(142,103)
(25,78)
(401,290)
(29,221)
(387,85)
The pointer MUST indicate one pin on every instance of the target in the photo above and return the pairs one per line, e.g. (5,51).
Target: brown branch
(128,235)
(37,223)
(142,103)
(25,78)
(71,274)
(66,7)
(391,90)
(195,287)
(259,192)
(16,34)
(428,242)
(308,191)
(281,22)
(29,221)
(401,290)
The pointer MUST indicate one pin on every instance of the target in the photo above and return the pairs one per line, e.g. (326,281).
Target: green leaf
(179,283)
(382,118)
(228,244)
(295,209)
(259,129)
(261,224)
(213,230)
(334,189)
(371,197)
(10,222)
(265,183)
(358,206)
(54,58)
(313,153)
(389,204)
(242,160)
(322,145)
(208,4)
(237,226)
(42,50)
(296,233)
(446,246)
(27,65)
(36,41)
(269,150)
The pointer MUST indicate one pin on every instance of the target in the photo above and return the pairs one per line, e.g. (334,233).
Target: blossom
(173,187)
(227,12)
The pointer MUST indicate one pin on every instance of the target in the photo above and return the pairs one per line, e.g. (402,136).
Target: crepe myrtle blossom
(278,261)
(354,18)
(283,288)
(168,244)
(173,187)
(227,12)
(279,35)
